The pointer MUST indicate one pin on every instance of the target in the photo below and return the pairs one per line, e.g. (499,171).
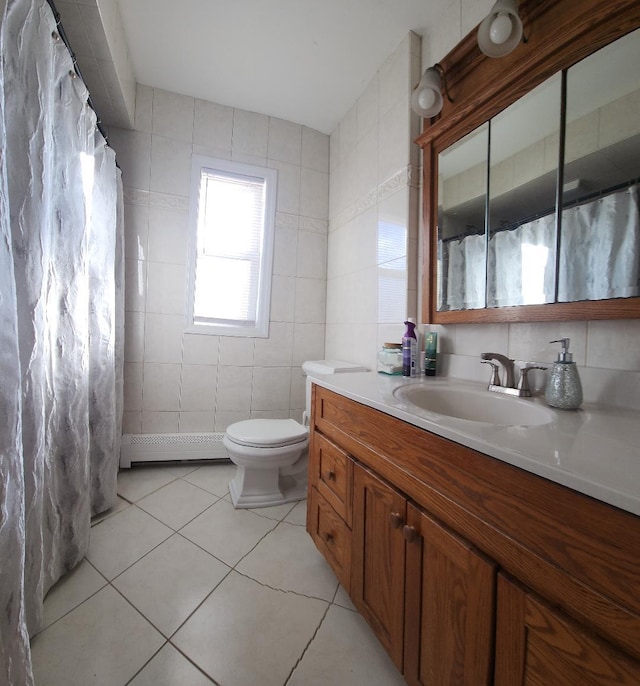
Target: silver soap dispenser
(564,389)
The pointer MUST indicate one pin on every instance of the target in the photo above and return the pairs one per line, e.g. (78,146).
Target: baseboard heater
(171,448)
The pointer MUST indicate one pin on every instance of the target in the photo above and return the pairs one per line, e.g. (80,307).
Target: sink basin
(474,405)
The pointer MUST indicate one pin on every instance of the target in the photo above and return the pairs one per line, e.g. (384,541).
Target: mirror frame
(559,33)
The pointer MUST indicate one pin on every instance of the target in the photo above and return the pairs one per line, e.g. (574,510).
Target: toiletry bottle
(430,353)
(409,349)
(564,389)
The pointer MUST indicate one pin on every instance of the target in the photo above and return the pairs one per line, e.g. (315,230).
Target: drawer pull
(395,519)
(410,534)
(330,475)
(329,537)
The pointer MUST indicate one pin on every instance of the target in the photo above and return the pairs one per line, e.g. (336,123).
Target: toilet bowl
(271,454)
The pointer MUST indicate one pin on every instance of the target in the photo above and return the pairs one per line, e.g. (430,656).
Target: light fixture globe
(426,99)
(501,30)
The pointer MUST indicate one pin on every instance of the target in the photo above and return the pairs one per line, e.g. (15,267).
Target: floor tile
(179,574)
(123,539)
(342,599)
(182,468)
(286,558)
(71,590)
(137,482)
(170,668)
(345,652)
(227,533)
(277,512)
(213,477)
(121,504)
(298,515)
(103,642)
(177,503)
(245,633)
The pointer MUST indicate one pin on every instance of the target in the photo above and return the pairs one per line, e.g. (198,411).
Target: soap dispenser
(564,389)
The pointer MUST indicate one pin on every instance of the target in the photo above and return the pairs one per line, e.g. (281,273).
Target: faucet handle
(523,383)
(495,373)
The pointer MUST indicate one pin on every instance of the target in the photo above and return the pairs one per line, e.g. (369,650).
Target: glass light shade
(501,30)
(426,99)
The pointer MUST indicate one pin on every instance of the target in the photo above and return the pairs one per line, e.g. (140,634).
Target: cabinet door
(537,645)
(378,564)
(450,596)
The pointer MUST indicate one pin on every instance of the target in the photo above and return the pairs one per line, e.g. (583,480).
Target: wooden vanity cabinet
(469,570)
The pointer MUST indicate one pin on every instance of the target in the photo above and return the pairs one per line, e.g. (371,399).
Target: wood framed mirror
(552,104)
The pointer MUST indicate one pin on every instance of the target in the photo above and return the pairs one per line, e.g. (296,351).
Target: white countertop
(594,450)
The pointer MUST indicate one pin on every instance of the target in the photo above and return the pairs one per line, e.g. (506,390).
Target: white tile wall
(177,381)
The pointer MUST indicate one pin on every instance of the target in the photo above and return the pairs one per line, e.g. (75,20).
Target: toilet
(271,454)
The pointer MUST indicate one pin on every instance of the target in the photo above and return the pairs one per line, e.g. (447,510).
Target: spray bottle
(410,349)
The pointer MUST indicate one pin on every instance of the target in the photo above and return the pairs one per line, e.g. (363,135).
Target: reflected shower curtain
(61,323)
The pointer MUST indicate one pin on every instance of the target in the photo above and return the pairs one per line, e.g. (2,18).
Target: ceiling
(305,61)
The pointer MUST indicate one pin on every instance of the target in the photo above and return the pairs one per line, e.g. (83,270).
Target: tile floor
(180,589)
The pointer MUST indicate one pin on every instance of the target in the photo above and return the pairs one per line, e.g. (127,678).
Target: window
(231,248)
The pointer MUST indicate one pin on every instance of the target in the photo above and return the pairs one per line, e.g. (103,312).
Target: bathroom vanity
(477,568)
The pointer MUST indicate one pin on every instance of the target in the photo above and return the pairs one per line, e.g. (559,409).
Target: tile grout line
(315,633)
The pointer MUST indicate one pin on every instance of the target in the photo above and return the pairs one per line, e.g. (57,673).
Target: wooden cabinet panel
(538,645)
(378,564)
(333,477)
(331,536)
(450,595)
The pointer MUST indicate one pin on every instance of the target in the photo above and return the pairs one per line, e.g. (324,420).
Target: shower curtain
(61,324)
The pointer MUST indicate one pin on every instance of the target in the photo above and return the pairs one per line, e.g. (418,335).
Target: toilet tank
(315,368)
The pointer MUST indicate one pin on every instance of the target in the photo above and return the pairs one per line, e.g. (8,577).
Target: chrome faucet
(506,363)
(522,390)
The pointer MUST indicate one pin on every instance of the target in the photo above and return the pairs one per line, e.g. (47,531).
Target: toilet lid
(267,432)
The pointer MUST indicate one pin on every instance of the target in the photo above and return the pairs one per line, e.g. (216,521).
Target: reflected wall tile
(284,141)
(250,134)
(198,388)
(271,388)
(163,338)
(136,231)
(196,422)
(135,291)
(315,150)
(168,235)
(619,120)
(314,194)
(310,300)
(159,422)
(276,350)
(234,390)
(237,351)
(283,297)
(133,336)
(312,255)
(581,137)
(213,126)
(529,163)
(200,349)
(173,115)
(161,387)
(166,288)
(170,166)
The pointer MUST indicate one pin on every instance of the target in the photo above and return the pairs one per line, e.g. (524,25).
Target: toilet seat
(267,433)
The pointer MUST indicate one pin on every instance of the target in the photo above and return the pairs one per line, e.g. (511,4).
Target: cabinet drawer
(334,476)
(331,535)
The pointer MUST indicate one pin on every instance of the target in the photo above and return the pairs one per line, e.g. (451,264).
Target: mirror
(498,248)
(532,173)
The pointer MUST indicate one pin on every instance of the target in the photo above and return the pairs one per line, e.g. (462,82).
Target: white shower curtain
(61,319)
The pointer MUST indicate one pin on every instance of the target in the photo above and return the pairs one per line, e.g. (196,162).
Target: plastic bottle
(430,353)
(410,349)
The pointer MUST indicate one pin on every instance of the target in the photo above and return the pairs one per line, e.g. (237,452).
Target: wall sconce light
(426,99)
(501,31)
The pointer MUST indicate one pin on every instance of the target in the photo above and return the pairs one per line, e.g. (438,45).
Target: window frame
(199,163)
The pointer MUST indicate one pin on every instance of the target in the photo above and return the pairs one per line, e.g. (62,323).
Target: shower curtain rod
(63,35)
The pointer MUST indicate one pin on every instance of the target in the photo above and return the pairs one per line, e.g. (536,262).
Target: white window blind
(231,247)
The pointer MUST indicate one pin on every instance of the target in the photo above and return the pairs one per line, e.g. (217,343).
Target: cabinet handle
(328,537)
(410,534)
(395,519)
(330,475)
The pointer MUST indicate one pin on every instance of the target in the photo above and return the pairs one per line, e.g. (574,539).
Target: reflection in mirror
(600,235)
(462,191)
(522,197)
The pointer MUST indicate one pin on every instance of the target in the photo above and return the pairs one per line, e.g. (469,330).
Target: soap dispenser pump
(564,389)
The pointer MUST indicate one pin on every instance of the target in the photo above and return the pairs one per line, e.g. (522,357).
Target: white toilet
(271,454)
